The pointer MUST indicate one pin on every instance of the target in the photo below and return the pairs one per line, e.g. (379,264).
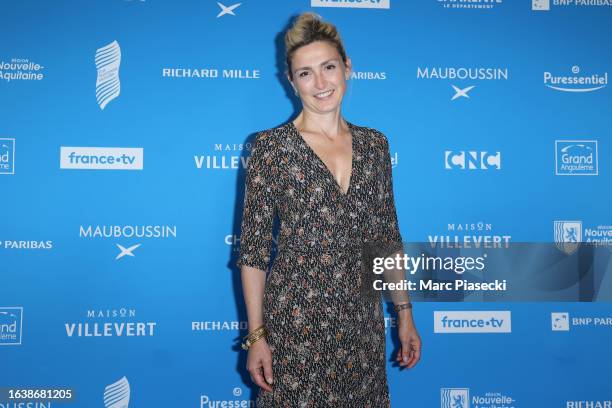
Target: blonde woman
(314,340)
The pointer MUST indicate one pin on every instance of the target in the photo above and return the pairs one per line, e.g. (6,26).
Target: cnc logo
(472,160)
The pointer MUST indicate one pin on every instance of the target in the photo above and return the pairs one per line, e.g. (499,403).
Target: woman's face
(320,76)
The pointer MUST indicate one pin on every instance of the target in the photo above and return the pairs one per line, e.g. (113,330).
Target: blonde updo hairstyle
(308,28)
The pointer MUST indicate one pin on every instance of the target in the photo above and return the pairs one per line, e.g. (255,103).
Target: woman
(314,339)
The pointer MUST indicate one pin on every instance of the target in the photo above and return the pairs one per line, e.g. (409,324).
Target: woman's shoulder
(371,135)
(271,138)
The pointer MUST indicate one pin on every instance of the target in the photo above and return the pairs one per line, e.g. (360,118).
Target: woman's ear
(348,66)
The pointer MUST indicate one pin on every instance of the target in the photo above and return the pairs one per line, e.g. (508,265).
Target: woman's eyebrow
(323,63)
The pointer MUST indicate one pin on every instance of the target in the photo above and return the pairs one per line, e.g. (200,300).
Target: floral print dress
(327,340)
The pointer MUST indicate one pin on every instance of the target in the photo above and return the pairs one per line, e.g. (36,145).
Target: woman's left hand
(410,351)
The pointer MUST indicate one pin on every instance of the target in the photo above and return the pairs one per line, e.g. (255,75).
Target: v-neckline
(329,172)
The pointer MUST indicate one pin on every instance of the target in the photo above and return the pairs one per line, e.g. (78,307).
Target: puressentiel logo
(381,4)
(117,395)
(476,321)
(7,156)
(576,82)
(576,158)
(11,322)
(101,158)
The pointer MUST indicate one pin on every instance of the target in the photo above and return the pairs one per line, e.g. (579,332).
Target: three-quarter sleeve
(385,219)
(259,208)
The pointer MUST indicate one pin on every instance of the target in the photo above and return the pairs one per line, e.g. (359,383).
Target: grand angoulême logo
(108,60)
(11,323)
(568,235)
(7,156)
(117,395)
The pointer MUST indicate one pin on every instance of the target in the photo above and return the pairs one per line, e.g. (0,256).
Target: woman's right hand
(259,364)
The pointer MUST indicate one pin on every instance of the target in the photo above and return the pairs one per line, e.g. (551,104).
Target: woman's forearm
(253,285)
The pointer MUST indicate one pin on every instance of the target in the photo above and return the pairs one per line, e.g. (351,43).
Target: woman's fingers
(267,369)
(416,354)
(258,378)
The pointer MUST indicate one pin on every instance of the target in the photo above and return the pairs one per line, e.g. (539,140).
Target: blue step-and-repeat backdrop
(125,129)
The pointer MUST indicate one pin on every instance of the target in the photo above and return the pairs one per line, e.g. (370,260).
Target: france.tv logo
(455,397)
(576,158)
(11,322)
(7,156)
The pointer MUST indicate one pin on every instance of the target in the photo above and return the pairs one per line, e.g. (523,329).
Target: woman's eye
(303,74)
(331,66)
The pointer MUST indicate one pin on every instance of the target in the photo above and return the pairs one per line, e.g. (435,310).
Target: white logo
(469,4)
(462,73)
(126,251)
(543,5)
(461,92)
(227,10)
(568,235)
(455,397)
(476,321)
(206,401)
(575,82)
(110,323)
(101,158)
(10,244)
(117,395)
(219,325)
(472,160)
(21,69)
(380,4)
(210,73)
(560,321)
(470,235)
(108,87)
(11,325)
(576,158)
(7,156)
(369,75)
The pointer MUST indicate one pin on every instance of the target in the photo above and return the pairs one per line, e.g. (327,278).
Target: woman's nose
(319,81)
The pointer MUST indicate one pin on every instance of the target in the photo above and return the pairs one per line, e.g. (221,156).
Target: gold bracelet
(403,306)
(253,336)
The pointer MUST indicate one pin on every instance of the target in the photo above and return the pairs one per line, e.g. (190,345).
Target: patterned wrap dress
(327,340)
